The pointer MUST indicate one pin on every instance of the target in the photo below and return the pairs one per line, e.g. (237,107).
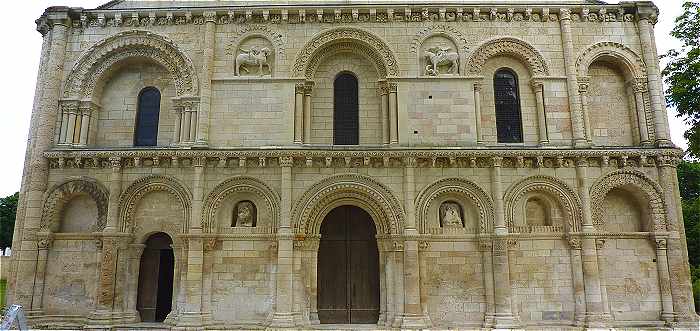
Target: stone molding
(362,191)
(551,187)
(142,186)
(632,62)
(592,13)
(652,191)
(463,158)
(331,40)
(60,194)
(239,184)
(102,57)
(518,48)
(460,186)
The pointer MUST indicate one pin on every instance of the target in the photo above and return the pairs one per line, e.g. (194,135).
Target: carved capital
(565,14)
(383,87)
(537,85)
(496,161)
(393,87)
(45,241)
(308,87)
(423,245)
(639,86)
(574,242)
(661,243)
(478,85)
(286,161)
(600,244)
(209,16)
(582,162)
(299,88)
(410,162)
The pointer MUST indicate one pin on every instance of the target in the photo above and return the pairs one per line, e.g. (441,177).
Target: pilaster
(577,116)
(202,136)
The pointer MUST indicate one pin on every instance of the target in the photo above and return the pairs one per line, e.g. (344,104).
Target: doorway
(155,292)
(348,268)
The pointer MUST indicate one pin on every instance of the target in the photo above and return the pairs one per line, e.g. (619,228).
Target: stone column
(210,247)
(106,283)
(538,88)
(647,14)
(283,316)
(178,127)
(308,89)
(486,248)
(67,107)
(639,88)
(398,286)
(133,270)
(70,131)
(382,320)
(202,134)
(583,84)
(26,256)
(44,243)
(389,283)
(577,116)
(115,191)
(312,272)
(504,317)
(664,281)
(187,120)
(676,246)
(413,315)
(298,113)
(477,112)
(84,126)
(577,279)
(191,315)
(595,311)
(384,94)
(393,114)
(599,245)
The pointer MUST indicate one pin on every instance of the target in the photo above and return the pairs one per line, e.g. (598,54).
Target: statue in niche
(439,56)
(244,215)
(255,56)
(450,215)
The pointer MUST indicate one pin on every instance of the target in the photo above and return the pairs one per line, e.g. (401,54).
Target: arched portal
(348,268)
(155,292)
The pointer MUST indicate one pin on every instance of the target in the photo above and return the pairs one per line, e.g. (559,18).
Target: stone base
(282,321)
(104,319)
(598,320)
(190,320)
(410,321)
(505,321)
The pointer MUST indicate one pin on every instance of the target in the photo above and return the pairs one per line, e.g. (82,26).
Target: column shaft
(385,116)
(283,316)
(477,112)
(201,136)
(70,133)
(393,114)
(538,88)
(654,81)
(578,283)
(64,127)
(299,114)
(84,127)
(178,127)
(186,126)
(577,125)
(115,188)
(307,112)
(664,281)
(641,115)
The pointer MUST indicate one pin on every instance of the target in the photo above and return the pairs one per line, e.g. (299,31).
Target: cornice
(535,12)
(359,158)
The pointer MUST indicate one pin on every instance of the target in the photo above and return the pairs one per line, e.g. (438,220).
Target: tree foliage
(689,184)
(8,212)
(682,73)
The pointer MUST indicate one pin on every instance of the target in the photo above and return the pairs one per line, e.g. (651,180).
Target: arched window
(346,123)
(146,133)
(508,118)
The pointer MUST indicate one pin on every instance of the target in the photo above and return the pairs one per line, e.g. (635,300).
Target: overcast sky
(20,60)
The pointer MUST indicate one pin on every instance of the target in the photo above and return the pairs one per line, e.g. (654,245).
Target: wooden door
(348,268)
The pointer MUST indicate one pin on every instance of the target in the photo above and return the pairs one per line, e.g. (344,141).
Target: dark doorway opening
(156,273)
(346,118)
(348,268)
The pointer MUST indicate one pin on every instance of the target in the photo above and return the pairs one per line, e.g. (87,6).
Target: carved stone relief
(244,214)
(254,56)
(451,215)
(440,56)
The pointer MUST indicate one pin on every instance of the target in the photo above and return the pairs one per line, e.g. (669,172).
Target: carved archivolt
(650,191)
(245,184)
(62,193)
(459,186)
(102,57)
(631,63)
(551,187)
(376,49)
(348,189)
(508,46)
(145,185)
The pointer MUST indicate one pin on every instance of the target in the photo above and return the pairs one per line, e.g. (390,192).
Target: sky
(20,62)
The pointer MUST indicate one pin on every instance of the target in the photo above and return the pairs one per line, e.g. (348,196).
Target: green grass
(3,289)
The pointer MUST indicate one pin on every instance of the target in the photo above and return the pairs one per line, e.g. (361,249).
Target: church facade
(235,164)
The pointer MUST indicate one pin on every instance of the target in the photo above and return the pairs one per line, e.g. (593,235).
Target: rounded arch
(632,65)
(348,189)
(60,194)
(239,184)
(460,186)
(137,190)
(509,46)
(649,190)
(345,39)
(104,56)
(549,187)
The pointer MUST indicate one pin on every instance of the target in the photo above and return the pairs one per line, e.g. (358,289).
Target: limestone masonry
(444,164)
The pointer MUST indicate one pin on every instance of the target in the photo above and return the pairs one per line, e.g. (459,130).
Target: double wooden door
(348,268)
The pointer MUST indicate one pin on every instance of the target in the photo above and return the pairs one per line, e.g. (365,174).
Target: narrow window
(508,118)
(146,133)
(346,125)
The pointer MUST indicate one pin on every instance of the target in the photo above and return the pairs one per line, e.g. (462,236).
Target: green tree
(8,212)
(682,73)
(689,184)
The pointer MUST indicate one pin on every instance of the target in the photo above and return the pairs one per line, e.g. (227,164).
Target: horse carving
(440,56)
(255,56)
